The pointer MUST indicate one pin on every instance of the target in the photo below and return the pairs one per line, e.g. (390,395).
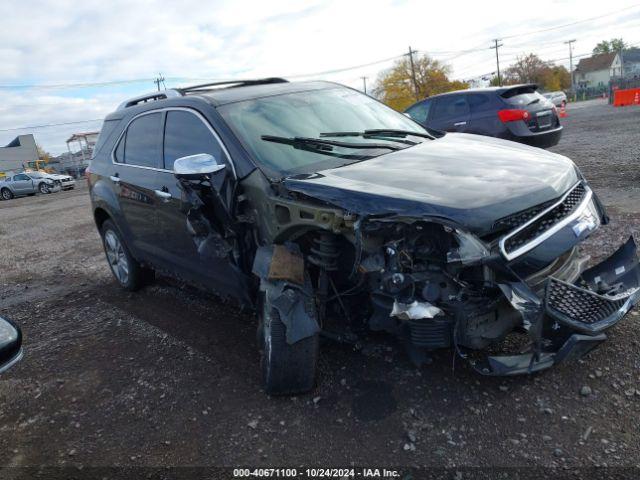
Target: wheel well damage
(287,288)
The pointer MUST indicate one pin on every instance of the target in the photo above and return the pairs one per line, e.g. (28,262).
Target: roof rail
(149,97)
(232,84)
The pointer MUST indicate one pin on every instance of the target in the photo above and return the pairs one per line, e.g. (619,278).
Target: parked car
(10,344)
(516,112)
(27,183)
(559,99)
(67,182)
(327,211)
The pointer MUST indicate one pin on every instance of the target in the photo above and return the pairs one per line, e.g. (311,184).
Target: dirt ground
(169,376)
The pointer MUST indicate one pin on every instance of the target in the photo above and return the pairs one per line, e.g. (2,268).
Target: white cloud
(64,41)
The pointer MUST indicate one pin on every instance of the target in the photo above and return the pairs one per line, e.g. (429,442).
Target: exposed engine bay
(429,282)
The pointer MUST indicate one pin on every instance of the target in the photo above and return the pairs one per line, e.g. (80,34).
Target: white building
(597,70)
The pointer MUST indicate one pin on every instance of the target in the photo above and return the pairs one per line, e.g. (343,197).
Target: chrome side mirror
(10,344)
(195,166)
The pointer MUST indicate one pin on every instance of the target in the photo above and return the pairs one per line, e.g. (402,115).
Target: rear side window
(142,141)
(451,106)
(420,112)
(108,126)
(479,102)
(185,134)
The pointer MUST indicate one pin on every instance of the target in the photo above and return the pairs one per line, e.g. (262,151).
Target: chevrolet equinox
(329,213)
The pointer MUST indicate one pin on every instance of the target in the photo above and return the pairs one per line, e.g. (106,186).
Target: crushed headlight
(588,220)
(470,248)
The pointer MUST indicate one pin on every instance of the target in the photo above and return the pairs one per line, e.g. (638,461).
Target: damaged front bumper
(568,320)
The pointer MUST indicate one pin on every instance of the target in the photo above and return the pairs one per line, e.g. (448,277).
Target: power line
(557,27)
(47,125)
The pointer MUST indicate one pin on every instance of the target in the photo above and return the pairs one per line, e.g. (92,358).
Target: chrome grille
(547,220)
(511,222)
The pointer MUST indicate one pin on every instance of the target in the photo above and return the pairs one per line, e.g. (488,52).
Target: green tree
(608,46)
(395,86)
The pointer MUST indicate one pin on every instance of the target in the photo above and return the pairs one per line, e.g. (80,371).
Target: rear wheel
(126,270)
(6,194)
(43,188)
(287,369)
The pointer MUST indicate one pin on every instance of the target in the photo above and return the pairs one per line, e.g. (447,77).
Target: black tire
(6,194)
(286,369)
(43,188)
(121,261)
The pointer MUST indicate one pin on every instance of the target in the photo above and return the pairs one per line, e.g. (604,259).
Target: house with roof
(596,71)
(631,59)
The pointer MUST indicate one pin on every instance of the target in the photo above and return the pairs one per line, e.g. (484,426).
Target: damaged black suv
(331,214)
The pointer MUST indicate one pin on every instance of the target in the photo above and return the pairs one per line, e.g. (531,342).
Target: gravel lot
(169,376)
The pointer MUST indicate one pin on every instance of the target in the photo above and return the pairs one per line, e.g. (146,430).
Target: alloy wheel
(116,256)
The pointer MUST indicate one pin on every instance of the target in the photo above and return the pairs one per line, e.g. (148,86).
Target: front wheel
(43,188)
(126,270)
(287,369)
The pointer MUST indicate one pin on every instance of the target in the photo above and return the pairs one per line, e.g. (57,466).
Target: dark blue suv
(516,112)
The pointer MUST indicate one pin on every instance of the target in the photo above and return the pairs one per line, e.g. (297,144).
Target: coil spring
(325,252)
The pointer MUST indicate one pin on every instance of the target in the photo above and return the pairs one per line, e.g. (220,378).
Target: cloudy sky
(70,61)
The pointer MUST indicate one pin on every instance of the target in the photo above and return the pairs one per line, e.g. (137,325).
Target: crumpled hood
(471,179)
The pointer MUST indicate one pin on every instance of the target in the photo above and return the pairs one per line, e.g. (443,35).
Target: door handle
(459,124)
(115,178)
(166,196)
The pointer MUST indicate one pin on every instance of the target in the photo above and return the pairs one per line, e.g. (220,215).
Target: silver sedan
(27,183)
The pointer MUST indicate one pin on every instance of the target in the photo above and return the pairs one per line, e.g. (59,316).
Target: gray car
(27,183)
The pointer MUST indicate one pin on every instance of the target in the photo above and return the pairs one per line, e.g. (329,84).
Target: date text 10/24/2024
(316,473)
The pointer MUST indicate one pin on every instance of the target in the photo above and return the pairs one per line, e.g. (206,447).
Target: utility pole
(496,46)
(570,43)
(364,82)
(413,73)
(159,80)
(621,62)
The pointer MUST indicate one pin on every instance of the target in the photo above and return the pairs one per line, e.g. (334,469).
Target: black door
(137,158)
(484,117)
(187,133)
(450,113)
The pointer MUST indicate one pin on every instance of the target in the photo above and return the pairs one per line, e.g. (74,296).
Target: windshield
(35,175)
(309,114)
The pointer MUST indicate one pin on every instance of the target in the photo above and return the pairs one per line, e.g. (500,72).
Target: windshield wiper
(535,100)
(378,133)
(319,144)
